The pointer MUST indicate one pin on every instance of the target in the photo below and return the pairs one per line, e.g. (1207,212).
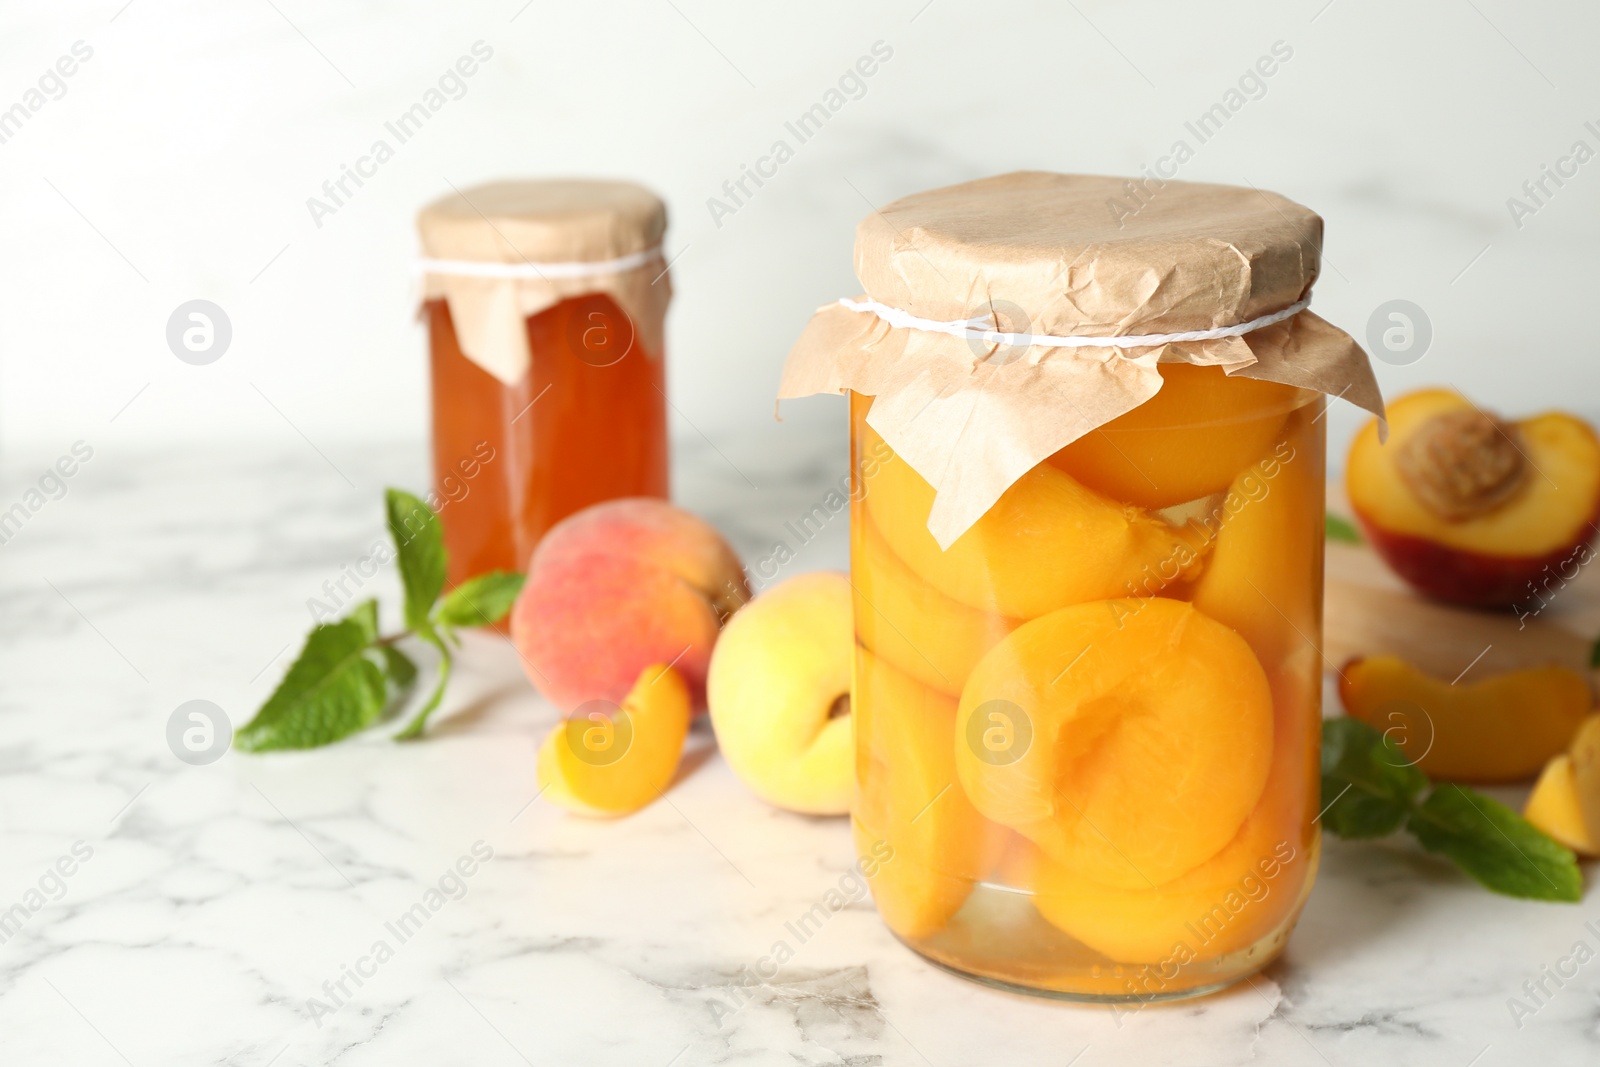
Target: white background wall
(179,161)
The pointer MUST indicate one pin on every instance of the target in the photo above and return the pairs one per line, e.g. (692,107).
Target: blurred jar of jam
(545,303)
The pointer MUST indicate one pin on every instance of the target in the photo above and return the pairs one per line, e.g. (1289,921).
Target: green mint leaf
(1496,846)
(399,666)
(481,601)
(1368,788)
(332,689)
(419,545)
(419,724)
(1342,530)
(1594,655)
(365,617)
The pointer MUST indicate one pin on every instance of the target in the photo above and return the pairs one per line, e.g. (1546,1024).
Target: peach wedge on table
(1565,802)
(1502,728)
(606,760)
(1554,806)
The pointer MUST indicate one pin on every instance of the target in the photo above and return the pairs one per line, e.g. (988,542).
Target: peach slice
(1262,577)
(1188,441)
(1232,899)
(1048,542)
(906,621)
(779,691)
(1469,509)
(1501,729)
(607,760)
(1128,739)
(1227,903)
(1018,865)
(937,845)
(1555,807)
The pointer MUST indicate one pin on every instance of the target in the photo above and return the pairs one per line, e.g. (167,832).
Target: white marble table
(216,901)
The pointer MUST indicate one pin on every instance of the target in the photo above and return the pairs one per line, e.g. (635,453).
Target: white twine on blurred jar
(978,329)
(589,268)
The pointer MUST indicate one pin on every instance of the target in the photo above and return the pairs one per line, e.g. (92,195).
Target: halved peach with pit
(606,760)
(1263,576)
(911,816)
(1472,509)
(1188,441)
(1500,729)
(1048,542)
(911,624)
(1127,738)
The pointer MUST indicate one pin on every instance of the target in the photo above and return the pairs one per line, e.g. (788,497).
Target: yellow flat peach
(779,693)
(608,760)
(1127,738)
(1263,577)
(1554,807)
(909,800)
(1500,729)
(906,621)
(1188,441)
(1048,542)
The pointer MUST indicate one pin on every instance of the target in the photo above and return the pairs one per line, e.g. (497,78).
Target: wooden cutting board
(1368,611)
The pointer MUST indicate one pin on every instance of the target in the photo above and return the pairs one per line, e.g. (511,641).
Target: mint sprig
(419,541)
(347,675)
(480,601)
(334,688)
(1370,791)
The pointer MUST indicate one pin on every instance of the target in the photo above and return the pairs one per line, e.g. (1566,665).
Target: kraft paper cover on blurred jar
(544,227)
(1047,254)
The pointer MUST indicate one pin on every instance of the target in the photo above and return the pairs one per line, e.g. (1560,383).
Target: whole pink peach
(618,587)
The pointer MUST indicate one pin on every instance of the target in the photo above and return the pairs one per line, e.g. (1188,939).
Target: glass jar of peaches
(1087,580)
(545,306)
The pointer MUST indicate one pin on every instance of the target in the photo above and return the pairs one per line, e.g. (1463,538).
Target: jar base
(999,939)
(1068,996)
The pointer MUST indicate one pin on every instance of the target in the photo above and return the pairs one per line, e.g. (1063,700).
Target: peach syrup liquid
(1087,732)
(587,423)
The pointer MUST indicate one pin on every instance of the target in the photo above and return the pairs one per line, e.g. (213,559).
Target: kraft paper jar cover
(1054,255)
(546,234)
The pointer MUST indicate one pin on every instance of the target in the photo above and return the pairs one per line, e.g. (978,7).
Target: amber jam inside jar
(587,423)
(1087,732)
